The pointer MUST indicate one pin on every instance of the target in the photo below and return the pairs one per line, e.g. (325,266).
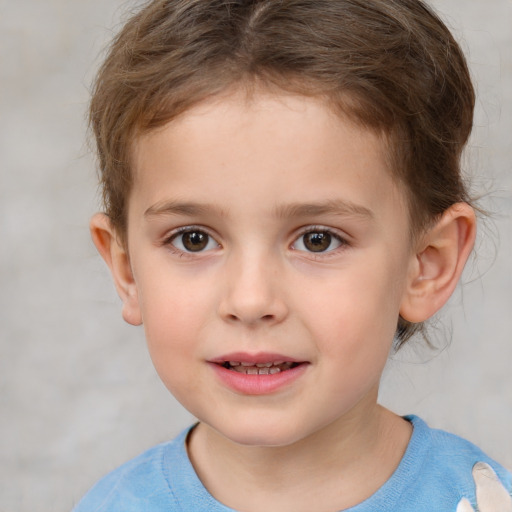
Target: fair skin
(264,230)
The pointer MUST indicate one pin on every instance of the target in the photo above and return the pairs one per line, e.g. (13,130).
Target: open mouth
(257,374)
(269,368)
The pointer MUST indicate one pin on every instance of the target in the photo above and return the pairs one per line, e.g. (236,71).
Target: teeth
(260,368)
(254,370)
(259,365)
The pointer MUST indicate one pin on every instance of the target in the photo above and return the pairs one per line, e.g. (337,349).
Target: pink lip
(256,384)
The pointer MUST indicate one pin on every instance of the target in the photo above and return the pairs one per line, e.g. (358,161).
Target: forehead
(241,149)
(245,104)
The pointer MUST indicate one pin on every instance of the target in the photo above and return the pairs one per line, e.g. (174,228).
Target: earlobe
(438,263)
(116,257)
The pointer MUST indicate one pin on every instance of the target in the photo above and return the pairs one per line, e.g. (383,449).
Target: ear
(116,256)
(438,263)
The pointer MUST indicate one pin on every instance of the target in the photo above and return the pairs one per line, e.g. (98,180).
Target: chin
(261,434)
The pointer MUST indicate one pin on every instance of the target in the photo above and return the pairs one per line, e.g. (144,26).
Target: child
(283,201)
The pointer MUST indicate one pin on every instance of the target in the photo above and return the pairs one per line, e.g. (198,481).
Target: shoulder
(140,484)
(454,454)
(447,462)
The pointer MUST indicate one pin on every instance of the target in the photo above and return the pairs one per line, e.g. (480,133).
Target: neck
(333,469)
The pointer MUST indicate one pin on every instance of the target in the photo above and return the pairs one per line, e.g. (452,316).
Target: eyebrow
(330,207)
(177,208)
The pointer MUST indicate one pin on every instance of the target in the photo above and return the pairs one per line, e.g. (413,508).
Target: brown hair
(390,65)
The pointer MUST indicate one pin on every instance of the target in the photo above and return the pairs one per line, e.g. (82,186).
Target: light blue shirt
(433,476)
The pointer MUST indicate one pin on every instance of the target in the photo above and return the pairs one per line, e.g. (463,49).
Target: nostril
(252,309)
(266,318)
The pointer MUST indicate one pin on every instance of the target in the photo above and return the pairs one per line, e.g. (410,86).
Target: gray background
(78,394)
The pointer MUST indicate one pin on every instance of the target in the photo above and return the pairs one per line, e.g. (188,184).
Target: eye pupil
(195,241)
(317,241)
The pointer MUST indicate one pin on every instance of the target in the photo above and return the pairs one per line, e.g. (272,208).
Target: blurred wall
(78,394)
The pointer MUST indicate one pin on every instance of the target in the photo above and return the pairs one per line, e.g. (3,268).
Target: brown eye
(317,241)
(193,240)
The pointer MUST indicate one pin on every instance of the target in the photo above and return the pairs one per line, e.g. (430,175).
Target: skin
(253,175)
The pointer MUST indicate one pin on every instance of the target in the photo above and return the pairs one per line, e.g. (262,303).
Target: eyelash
(342,241)
(168,241)
(333,236)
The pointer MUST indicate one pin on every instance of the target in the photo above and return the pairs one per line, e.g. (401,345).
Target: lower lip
(258,384)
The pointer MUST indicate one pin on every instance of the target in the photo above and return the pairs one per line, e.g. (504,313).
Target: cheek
(173,310)
(172,318)
(357,312)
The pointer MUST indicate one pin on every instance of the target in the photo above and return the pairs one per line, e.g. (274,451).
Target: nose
(252,292)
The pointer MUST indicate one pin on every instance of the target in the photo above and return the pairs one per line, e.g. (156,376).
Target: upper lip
(259,357)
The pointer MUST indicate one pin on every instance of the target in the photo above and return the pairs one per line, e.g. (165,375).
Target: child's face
(265,231)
